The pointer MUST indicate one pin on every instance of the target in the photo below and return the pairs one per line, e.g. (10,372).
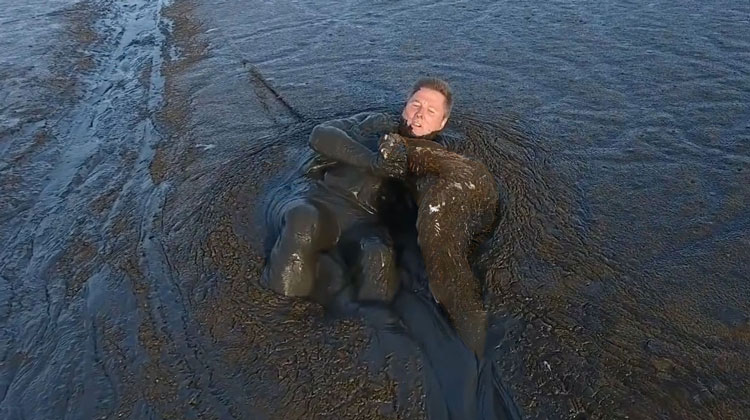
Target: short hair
(436,84)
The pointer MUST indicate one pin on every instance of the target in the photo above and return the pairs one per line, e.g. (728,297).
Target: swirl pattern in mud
(138,142)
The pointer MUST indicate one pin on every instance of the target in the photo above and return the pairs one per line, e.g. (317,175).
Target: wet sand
(138,143)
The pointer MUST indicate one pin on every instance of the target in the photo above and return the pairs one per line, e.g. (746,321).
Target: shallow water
(139,140)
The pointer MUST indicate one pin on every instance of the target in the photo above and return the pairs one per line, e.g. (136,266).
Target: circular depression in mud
(412,327)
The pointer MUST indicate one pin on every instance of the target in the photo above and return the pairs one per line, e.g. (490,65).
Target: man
(336,225)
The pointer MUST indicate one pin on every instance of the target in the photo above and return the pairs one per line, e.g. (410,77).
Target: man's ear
(442,124)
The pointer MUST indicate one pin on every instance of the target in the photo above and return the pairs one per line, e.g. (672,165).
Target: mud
(138,142)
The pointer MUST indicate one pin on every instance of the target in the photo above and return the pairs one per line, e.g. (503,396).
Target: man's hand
(390,160)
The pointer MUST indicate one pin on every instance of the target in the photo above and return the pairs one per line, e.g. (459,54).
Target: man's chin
(406,130)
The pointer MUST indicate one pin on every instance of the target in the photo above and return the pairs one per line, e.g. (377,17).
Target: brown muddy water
(140,141)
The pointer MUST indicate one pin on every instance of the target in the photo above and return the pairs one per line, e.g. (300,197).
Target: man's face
(425,112)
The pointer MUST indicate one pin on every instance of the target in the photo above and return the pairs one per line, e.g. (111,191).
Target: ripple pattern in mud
(131,238)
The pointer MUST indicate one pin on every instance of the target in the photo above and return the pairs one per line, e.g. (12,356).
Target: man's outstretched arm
(332,140)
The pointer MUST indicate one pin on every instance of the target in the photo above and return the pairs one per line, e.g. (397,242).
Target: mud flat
(139,141)
(615,272)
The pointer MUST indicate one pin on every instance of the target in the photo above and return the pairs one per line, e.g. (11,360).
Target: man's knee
(309,227)
(378,277)
(290,269)
(300,222)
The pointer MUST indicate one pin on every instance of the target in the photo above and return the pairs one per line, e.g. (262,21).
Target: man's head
(427,109)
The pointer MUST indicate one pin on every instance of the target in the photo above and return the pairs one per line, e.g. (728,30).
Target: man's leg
(306,230)
(375,270)
(444,237)
(330,278)
(454,286)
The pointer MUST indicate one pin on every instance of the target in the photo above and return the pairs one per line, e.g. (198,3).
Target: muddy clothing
(457,198)
(355,168)
(333,232)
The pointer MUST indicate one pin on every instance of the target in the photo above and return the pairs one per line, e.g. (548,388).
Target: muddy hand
(390,160)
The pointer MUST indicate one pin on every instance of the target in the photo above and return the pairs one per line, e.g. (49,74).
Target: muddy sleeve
(427,157)
(332,139)
(378,123)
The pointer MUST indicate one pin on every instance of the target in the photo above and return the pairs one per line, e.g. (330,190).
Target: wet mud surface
(139,140)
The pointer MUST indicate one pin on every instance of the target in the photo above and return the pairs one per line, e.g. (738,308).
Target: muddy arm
(332,139)
(377,123)
(427,157)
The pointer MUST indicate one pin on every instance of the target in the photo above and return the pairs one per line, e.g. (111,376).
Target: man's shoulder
(362,118)
(377,122)
(365,124)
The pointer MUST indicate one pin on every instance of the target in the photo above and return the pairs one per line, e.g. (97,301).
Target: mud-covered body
(457,198)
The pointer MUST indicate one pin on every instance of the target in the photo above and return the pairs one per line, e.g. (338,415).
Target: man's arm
(332,140)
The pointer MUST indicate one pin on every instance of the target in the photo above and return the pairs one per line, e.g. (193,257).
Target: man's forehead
(429,95)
